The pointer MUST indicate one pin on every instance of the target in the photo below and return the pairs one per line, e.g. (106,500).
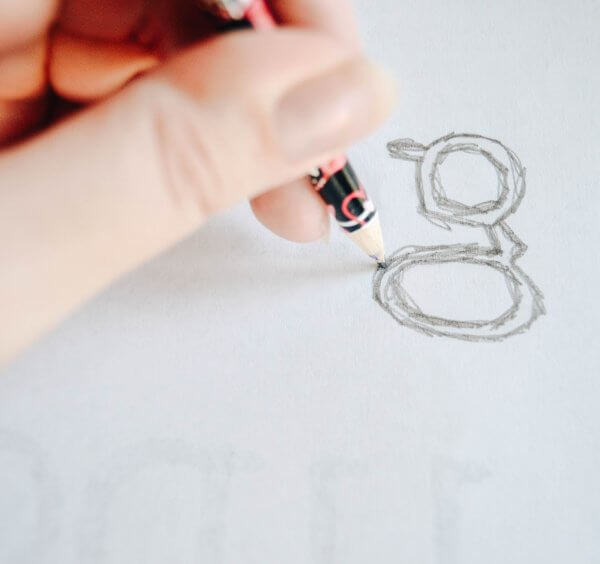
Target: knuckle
(184,153)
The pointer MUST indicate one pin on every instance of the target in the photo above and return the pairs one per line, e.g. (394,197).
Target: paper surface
(244,399)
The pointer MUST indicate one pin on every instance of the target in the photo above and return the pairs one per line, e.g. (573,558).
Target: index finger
(22,22)
(23,29)
(334,17)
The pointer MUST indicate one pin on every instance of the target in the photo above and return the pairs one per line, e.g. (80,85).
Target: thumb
(267,107)
(104,191)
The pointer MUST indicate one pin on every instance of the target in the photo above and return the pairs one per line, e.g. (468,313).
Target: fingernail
(328,112)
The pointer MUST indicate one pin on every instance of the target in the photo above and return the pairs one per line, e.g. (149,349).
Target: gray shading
(449,479)
(326,475)
(214,469)
(501,254)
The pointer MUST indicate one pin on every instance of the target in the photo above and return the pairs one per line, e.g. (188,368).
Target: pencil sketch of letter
(501,254)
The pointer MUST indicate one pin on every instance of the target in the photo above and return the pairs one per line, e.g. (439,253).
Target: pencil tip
(369,239)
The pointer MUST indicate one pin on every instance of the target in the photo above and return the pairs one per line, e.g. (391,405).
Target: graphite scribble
(501,254)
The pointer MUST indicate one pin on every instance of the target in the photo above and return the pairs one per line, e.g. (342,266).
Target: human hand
(170,126)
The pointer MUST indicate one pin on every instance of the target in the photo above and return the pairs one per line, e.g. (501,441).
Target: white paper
(244,399)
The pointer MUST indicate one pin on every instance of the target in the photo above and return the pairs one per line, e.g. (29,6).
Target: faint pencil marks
(29,501)
(332,479)
(450,486)
(157,499)
(504,250)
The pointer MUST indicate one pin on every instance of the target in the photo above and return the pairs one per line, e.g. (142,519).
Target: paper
(244,399)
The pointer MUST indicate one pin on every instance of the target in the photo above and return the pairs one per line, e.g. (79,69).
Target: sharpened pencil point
(369,239)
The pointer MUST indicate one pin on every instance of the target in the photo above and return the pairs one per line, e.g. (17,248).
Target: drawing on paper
(504,250)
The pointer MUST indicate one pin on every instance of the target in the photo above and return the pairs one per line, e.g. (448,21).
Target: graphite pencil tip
(370,240)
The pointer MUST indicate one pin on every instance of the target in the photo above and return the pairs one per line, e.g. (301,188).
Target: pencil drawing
(160,466)
(450,481)
(501,254)
(332,477)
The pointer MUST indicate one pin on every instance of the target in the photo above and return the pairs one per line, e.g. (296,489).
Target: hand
(125,124)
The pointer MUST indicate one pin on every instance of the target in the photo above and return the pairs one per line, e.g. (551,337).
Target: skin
(125,124)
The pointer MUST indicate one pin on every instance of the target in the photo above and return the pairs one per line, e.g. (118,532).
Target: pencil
(336,182)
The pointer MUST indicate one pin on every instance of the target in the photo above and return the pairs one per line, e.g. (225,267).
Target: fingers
(293,211)
(22,85)
(22,71)
(110,20)
(287,212)
(23,27)
(123,180)
(162,25)
(24,21)
(83,70)
(18,117)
